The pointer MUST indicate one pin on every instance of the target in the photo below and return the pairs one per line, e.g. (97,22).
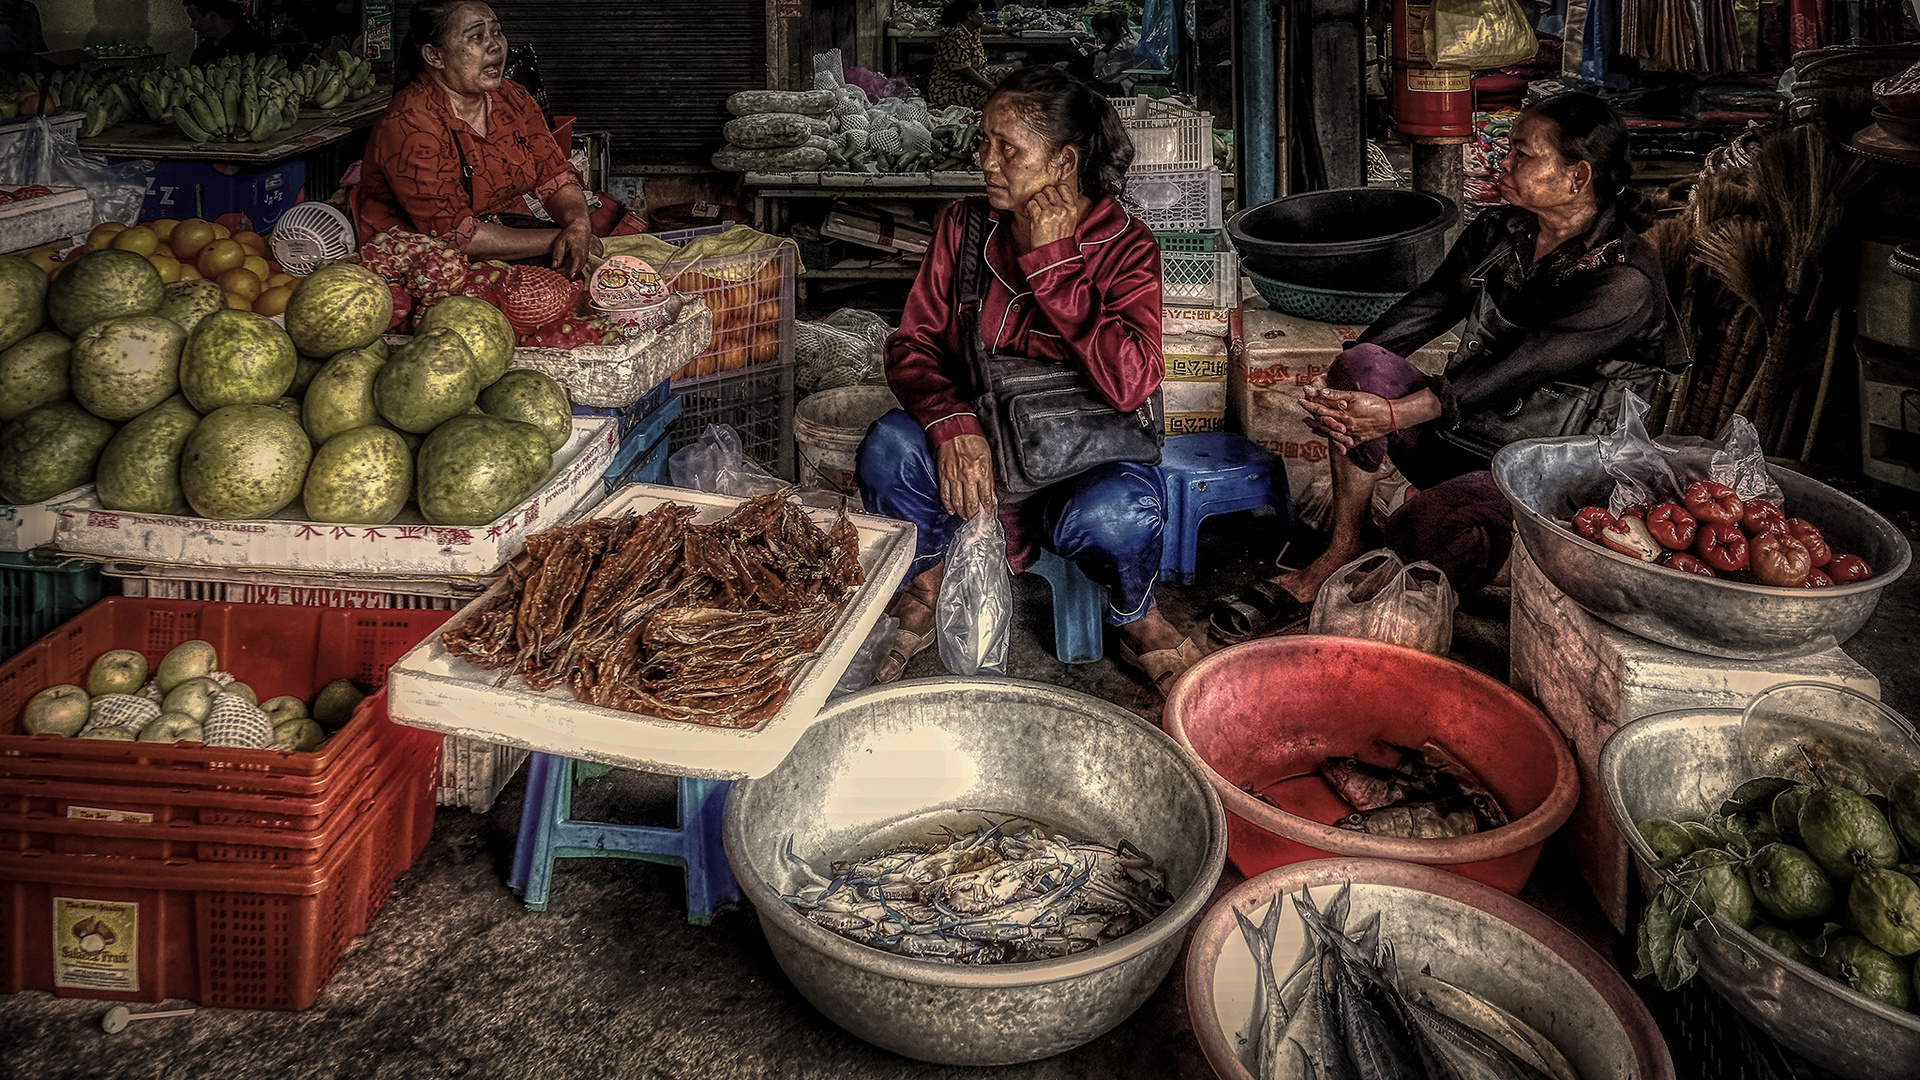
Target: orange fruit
(189,238)
(273,301)
(190,272)
(258,266)
(44,260)
(163,227)
(240,282)
(103,234)
(252,241)
(28,103)
(219,257)
(221,232)
(279,279)
(168,266)
(138,239)
(238,302)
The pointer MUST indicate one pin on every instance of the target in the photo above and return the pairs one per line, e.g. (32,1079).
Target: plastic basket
(633,452)
(1170,141)
(1323,305)
(751,298)
(1202,280)
(1710,1041)
(1198,242)
(628,417)
(757,403)
(36,596)
(308,233)
(275,649)
(1176,201)
(224,934)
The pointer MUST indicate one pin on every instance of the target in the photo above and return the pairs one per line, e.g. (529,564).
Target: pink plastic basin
(1259,713)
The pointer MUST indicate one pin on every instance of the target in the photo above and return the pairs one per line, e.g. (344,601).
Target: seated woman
(1556,287)
(1069,277)
(224,30)
(960,72)
(462,146)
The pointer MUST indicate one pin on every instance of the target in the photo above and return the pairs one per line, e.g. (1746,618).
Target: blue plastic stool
(1208,473)
(547,832)
(1079,610)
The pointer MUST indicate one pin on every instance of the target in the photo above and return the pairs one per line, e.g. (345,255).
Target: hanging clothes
(1805,18)
(1600,43)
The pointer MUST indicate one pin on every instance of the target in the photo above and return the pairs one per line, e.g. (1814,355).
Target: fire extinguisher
(1430,104)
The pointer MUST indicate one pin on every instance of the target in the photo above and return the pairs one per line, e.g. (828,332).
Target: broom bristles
(1736,252)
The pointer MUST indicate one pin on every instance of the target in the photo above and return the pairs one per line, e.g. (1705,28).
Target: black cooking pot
(1373,239)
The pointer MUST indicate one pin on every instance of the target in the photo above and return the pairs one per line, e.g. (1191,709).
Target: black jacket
(1592,311)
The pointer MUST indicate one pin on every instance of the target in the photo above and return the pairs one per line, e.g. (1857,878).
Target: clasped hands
(1347,417)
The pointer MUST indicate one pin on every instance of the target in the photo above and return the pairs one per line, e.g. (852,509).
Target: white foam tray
(430,688)
(407,545)
(24,526)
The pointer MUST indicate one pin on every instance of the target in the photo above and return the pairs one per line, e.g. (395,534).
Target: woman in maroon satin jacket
(1071,277)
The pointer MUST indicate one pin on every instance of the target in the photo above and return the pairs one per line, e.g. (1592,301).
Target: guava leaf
(1756,795)
(1662,940)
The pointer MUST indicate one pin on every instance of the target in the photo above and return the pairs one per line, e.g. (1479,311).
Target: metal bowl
(918,750)
(1470,935)
(1682,765)
(1546,480)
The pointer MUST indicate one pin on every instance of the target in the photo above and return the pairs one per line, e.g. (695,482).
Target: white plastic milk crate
(1175,201)
(431,688)
(1168,137)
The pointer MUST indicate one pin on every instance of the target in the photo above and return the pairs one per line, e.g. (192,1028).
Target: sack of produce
(771,130)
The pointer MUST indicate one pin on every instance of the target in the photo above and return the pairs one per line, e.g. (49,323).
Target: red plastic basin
(1259,713)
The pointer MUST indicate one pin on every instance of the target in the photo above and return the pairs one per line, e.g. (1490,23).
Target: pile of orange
(194,248)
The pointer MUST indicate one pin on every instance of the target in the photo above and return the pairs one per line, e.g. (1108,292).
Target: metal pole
(1257,142)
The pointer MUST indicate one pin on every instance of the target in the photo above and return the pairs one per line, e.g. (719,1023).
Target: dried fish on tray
(676,630)
(657,615)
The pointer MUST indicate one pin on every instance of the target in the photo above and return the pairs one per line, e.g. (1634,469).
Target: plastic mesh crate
(635,453)
(751,297)
(1198,242)
(37,595)
(1168,137)
(1709,1040)
(1175,201)
(1210,280)
(631,416)
(756,403)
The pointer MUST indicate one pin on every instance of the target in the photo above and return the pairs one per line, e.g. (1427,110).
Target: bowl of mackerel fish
(977,871)
(1349,968)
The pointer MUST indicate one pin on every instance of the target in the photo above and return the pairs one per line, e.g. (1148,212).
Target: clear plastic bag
(1648,471)
(866,660)
(117,190)
(716,462)
(974,612)
(1378,596)
(847,348)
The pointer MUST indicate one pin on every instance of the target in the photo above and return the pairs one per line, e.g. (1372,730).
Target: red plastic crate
(66,818)
(221,934)
(275,649)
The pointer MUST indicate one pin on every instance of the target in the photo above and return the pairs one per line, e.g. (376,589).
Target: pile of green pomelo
(1825,874)
(185,699)
(170,401)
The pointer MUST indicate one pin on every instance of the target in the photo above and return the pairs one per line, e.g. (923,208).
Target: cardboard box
(63,215)
(1196,384)
(408,545)
(244,198)
(888,227)
(1274,357)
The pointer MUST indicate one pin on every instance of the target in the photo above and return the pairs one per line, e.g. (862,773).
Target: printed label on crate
(1195,357)
(96,944)
(1195,423)
(1195,406)
(1191,320)
(99,813)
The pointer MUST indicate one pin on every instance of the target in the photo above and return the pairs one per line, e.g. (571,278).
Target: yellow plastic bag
(1478,34)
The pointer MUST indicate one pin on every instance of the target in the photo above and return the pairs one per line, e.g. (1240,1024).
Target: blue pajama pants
(1108,521)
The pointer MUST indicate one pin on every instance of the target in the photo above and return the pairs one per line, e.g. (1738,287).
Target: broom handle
(1826,380)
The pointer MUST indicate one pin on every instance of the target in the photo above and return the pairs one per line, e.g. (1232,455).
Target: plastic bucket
(827,429)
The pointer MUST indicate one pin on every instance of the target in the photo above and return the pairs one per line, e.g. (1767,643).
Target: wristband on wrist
(1390,416)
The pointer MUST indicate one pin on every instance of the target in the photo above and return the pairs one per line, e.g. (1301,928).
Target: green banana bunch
(358,73)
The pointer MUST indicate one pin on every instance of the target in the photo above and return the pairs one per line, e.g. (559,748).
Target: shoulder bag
(1044,420)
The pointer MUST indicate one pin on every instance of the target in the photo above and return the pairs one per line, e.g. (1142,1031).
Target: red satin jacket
(1093,298)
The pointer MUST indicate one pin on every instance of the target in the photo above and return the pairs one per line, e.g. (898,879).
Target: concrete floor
(456,978)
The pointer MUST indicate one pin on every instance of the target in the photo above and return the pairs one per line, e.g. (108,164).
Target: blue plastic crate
(628,417)
(632,459)
(37,595)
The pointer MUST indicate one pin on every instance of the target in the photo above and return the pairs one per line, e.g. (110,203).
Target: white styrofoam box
(1183,319)
(430,688)
(309,590)
(473,773)
(1592,679)
(66,213)
(1274,357)
(408,545)
(1195,389)
(24,526)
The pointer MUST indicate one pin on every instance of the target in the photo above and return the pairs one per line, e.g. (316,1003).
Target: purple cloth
(1388,374)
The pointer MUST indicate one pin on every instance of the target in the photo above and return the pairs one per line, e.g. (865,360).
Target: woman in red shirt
(462,145)
(1069,277)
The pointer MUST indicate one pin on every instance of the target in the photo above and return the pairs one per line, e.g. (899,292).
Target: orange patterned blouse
(410,176)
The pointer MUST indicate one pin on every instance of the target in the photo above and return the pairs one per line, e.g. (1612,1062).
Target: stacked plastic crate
(745,377)
(1174,188)
(135,871)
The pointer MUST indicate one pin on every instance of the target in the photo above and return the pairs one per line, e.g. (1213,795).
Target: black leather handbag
(1044,420)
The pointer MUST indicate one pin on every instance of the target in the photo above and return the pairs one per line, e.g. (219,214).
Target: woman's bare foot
(1150,633)
(1304,584)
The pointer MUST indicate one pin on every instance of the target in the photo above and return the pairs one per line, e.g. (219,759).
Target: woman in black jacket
(1558,290)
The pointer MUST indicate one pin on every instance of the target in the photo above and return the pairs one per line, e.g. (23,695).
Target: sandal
(901,649)
(1163,666)
(1260,608)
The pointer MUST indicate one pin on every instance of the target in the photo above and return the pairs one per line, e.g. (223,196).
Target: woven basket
(1322,305)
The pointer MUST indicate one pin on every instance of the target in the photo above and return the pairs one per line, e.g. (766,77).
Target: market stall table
(314,129)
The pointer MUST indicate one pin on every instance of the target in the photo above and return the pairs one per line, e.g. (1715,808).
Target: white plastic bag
(1380,597)
(117,190)
(866,661)
(717,463)
(974,612)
